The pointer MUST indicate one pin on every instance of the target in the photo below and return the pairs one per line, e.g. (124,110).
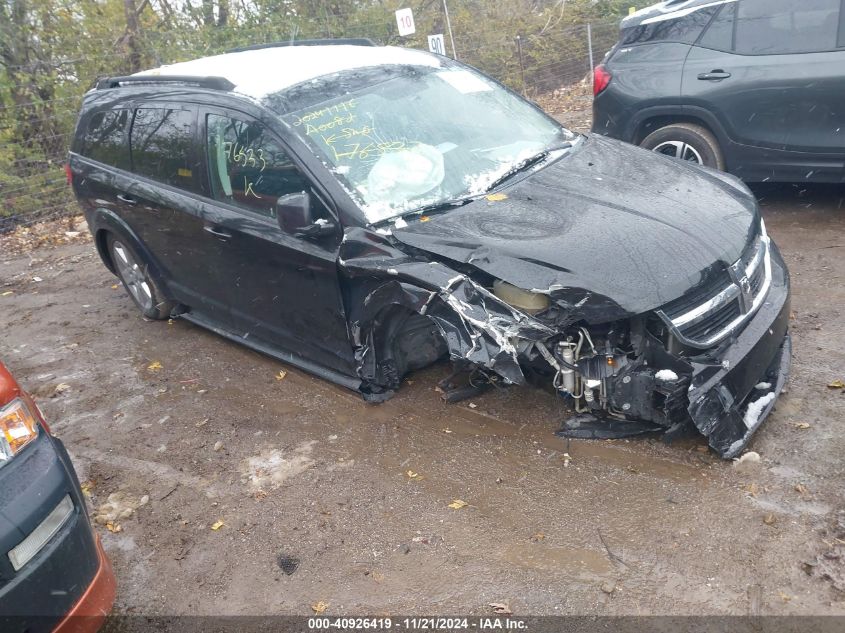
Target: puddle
(574,561)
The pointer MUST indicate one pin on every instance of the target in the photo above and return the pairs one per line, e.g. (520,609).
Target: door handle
(126,199)
(216,231)
(714,75)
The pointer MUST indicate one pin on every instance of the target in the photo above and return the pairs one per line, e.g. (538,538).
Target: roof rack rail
(214,83)
(351,41)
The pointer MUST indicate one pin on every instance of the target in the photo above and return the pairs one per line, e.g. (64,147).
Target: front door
(282,291)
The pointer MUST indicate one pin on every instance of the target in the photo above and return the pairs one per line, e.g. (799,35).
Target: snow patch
(762,386)
(755,409)
(271,468)
(666,375)
(248,69)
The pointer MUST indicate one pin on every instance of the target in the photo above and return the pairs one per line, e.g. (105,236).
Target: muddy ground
(298,469)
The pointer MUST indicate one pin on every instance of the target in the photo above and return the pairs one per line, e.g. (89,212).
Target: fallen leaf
(281,375)
(784,597)
(499,608)
(415,476)
(752,489)
(377,576)
(217,525)
(114,528)
(114,287)
(802,425)
(202,422)
(457,504)
(61,388)
(539,536)
(154,366)
(497,197)
(837,384)
(769,519)
(86,487)
(319,607)
(169,321)
(801,489)
(7,293)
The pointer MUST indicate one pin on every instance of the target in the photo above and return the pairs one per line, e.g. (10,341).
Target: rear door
(164,207)
(282,290)
(771,73)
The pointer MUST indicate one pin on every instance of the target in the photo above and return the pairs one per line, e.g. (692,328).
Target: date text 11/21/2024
(431,623)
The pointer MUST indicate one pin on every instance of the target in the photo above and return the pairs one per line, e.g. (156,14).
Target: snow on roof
(264,71)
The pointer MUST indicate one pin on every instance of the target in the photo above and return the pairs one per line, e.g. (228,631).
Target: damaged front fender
(476,326)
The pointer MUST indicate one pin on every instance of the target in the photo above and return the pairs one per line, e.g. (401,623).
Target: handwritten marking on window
(248,190)
(245,156)
(344,107)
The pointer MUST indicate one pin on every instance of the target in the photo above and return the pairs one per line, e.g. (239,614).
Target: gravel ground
(195,433)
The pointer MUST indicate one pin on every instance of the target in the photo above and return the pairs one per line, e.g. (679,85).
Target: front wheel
(687,142)
(133,272)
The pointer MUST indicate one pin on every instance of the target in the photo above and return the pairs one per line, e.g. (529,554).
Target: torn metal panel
(477,327)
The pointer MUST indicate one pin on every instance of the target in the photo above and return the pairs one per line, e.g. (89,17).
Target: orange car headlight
(18,427)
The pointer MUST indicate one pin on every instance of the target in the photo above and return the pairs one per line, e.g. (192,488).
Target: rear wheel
(687,142)
(134,273)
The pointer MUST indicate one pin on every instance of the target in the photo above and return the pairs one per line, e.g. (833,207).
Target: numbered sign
(405,21)
(436,44)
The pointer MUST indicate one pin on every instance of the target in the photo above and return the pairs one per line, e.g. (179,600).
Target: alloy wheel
(133,276)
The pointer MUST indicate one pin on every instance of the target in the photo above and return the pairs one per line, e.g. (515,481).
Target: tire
(133,273)
(686,141)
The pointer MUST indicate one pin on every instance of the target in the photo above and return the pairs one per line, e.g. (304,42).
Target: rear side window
(161,144)
(773,27)
(249,168)
(685,28)
(720,34)
(105,138)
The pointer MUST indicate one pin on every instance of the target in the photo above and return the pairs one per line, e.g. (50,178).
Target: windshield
(400,138)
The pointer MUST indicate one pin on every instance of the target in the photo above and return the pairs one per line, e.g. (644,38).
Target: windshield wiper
(526,164)
(428,209)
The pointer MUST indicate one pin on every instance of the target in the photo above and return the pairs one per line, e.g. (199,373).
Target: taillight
(68,174)
(601,79)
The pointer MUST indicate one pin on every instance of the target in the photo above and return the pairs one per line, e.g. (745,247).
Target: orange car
(54,574)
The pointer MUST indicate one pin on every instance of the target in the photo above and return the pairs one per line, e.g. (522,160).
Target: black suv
(754,87)
(362,211)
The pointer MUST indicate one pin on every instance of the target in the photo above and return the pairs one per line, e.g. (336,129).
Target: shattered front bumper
(735,387)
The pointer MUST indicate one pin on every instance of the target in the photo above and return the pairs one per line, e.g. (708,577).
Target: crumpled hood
(609,230)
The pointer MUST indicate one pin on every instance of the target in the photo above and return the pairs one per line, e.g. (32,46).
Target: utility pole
(449,28)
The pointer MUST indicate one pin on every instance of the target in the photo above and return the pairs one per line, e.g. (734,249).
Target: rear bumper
(89,613)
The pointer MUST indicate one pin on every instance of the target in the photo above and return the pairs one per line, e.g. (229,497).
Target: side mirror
(295,217)
(293,211)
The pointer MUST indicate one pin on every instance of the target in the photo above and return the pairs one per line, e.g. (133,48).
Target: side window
(772,27)
(105,138)
(248,167)
(684,28)
(720,34)
(161,144)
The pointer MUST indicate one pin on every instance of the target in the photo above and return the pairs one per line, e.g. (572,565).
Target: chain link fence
(37,120)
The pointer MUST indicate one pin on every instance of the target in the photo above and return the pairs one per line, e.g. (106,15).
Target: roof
(668,10)
(257,73)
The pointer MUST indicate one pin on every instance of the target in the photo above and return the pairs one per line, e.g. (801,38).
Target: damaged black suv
(361,212)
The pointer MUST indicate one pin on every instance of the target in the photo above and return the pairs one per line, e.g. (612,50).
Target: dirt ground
(297,475)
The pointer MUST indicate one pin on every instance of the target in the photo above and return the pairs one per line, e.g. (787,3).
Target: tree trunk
(132,32)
